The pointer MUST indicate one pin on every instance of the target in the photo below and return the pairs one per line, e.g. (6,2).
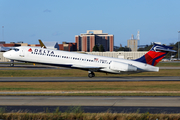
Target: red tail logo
(153,57)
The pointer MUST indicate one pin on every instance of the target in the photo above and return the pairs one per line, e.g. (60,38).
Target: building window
(108,43)
(88,43)
(80,44)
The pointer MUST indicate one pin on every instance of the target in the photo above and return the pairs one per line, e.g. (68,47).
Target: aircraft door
(21,53)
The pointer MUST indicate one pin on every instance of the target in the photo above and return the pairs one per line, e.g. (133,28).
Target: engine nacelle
(122,67)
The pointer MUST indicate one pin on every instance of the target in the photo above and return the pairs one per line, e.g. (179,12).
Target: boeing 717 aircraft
(91,63)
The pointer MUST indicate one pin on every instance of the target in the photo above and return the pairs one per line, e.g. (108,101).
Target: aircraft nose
(6,54)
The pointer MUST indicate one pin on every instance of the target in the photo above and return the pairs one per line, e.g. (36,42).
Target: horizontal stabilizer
(165,50)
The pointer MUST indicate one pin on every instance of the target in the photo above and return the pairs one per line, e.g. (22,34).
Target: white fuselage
(77,60)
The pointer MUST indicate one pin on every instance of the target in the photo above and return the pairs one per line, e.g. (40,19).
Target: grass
(94,94)
(153,88)
(77,73)
(168,64)
(76,113)
(91,86)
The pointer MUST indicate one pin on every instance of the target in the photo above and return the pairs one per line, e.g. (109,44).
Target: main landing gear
(91,74)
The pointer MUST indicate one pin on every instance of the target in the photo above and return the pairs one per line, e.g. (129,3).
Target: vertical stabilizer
(41,44)
(156,54)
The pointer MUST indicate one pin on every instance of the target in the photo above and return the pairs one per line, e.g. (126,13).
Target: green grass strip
(77,73)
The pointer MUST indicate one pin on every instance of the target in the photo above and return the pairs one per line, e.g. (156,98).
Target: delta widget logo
(30,50)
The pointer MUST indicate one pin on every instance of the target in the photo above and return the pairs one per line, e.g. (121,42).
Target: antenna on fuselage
(42,44)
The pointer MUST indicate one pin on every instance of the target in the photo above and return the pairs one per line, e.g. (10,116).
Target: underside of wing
(91,68)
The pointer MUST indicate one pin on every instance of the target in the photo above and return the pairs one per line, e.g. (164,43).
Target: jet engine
(122,66)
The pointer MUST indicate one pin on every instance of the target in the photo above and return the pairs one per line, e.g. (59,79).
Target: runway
(89,101)
(86,79)
(92,104)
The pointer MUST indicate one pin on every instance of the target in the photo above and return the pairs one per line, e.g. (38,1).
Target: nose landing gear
(12,63)
(91,74)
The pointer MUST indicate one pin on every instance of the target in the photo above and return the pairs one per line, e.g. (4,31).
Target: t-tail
(156,54)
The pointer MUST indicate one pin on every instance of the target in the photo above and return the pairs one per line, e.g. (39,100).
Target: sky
(61,20)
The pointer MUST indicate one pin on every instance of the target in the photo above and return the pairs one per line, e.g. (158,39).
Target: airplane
(4,49)
(42,44)
(90,63)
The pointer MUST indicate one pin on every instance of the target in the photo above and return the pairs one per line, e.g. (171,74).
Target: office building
(86,42)
(68,46)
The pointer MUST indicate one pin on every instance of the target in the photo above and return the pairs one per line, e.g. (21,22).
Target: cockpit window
(16,49)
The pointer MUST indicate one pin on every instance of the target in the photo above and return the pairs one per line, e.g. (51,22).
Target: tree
(145,48)
(101,48)
(140,49)
(124,49)
(95,48)
(175,47)
(127,48)
(121,49)
(148,47)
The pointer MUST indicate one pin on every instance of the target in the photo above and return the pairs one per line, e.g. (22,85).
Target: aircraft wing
(92,68)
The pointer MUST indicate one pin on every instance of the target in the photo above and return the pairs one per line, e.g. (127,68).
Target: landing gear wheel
(93,75)
(12,64)
(90,75)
